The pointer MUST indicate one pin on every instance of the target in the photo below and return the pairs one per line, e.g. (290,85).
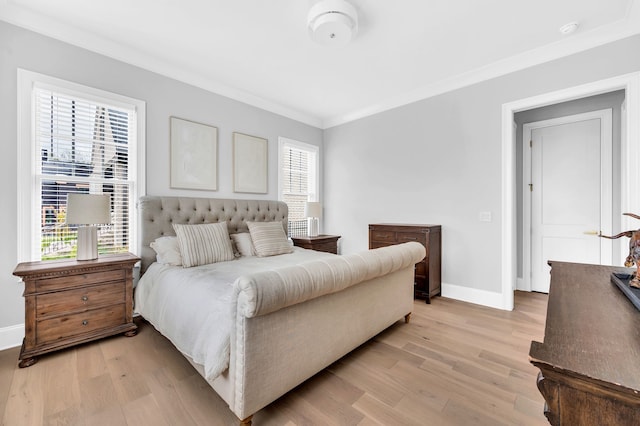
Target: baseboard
(12,336)
(473,295)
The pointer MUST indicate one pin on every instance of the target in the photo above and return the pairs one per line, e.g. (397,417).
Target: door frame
(606,184)
(630,153)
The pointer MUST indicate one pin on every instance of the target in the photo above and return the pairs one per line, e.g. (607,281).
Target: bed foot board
(247,421)
(407,318)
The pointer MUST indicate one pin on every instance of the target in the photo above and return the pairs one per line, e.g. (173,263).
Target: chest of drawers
(70,302)
(427,276)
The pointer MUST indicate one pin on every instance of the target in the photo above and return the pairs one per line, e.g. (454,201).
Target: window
(75,139)
(297,180)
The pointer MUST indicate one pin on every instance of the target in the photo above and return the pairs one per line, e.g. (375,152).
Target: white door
(570,192)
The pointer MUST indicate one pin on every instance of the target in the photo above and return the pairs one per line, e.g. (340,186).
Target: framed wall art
(194,155)
(249,164)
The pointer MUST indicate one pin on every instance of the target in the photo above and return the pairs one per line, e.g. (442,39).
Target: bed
(269,321)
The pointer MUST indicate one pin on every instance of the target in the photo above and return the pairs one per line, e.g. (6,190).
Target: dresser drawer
(80,299)
(405,237)
(378,244)
(421,268)
(50,284)
(383,236)
(61,327)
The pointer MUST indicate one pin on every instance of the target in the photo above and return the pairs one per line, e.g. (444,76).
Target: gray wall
(164,97)
(611,100)
(439,161)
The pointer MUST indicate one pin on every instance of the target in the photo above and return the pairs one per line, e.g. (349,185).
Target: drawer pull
(85,322)
(85,298)
(411,238)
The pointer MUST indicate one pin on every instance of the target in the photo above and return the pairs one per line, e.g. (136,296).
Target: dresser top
(592,330)
(405,225)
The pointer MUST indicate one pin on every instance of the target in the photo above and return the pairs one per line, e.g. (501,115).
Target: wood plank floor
(454,364)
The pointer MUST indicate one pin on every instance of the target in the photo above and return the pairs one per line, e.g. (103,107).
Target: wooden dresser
(68,302)
(589,360)
(326,243)
(427,277)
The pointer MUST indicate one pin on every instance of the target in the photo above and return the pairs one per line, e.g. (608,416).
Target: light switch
(484,216)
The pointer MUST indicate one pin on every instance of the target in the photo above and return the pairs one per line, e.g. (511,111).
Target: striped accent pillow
(269,238)
(204,243)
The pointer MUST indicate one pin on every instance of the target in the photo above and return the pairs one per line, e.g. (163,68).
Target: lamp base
(87,243)
(312,227)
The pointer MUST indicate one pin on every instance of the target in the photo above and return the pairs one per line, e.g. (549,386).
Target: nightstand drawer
(79,299)
(383,236)
(50,284)
(325,247)
(53,329)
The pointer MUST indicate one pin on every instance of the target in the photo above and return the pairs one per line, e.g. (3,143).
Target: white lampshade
(88,209)
(313,209)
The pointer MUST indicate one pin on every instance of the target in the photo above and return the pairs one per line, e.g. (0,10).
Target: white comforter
(192,307)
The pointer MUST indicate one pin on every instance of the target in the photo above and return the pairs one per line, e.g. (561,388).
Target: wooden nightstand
(326,243)
(68,302)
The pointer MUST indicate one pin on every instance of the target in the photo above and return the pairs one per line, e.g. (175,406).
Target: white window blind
(298,181)
(81,146)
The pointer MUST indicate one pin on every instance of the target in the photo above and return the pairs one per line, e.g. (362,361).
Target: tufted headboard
(158,214)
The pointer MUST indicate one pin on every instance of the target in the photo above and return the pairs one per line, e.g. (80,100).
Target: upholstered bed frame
(158,214)
(291,323)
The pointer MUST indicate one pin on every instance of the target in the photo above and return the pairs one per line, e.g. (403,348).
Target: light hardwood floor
(454,364)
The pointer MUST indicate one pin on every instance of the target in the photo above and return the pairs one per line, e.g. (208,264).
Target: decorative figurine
(634,251)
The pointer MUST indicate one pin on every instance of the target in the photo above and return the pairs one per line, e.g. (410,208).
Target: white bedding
(192,307)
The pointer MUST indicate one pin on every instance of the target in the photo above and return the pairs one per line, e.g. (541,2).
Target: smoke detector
(569,28)
(332,22)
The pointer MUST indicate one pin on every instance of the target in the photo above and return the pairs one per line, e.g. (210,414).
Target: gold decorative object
(633,258)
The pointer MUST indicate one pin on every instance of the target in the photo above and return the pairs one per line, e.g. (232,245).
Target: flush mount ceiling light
(569,28)
(332,22)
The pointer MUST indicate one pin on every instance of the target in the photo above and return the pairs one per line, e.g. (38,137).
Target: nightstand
(326,243)
(68,302)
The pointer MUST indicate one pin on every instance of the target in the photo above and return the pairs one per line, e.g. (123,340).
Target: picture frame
(250,167)
(194,155)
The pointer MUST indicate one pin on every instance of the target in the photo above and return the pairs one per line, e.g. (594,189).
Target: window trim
(27,231)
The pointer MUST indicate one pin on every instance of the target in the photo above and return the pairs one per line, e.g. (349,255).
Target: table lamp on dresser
(88,210)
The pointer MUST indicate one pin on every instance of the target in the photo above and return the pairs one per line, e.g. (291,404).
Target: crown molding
(576,43)
(41,24)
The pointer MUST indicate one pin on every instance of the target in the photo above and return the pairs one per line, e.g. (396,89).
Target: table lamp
(88,210)
(313,211)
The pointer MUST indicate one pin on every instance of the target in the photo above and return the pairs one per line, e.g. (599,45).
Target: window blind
(82,146)
(298,183)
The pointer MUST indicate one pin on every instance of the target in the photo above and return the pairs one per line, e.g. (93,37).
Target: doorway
(567,191)
(629,172)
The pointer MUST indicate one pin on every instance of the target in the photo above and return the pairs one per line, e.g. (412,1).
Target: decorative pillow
(204,243)
(167,250)
(269,238)
(244,244)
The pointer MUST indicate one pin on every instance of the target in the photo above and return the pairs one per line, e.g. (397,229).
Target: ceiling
(259,51)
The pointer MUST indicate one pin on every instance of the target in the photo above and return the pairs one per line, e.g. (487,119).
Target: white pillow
(167,250)
(204,243)
(269,238)
(244,244)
